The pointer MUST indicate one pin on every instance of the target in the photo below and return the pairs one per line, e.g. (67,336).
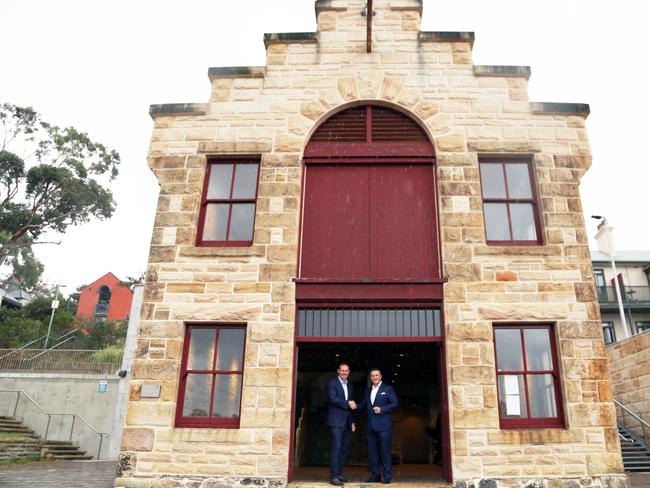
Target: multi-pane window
(509,202)
(227,215)
(212,368)
(527,377)
(642,325)
(609,333)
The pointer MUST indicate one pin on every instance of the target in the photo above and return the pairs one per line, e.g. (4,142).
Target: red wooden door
(336,222)
(372,222)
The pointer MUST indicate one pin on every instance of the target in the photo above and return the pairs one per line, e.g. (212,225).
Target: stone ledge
(236,72)
(412,5)
(430,36)
(335,5)
(509,71)
(162,109)
(560,108)
(290,38)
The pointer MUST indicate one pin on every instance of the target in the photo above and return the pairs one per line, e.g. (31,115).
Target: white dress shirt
(344,384)
(373,392)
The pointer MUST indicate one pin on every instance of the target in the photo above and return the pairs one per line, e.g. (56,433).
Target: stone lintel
(335,5)
(240,148)
(430,36)
(509,71)
(162,109)
(414,5)
(290,37)
(236,72)
(560,108)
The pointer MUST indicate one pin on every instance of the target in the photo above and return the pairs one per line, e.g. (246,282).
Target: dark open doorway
(412,368)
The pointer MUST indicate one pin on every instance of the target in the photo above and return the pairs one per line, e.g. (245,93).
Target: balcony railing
(631,295)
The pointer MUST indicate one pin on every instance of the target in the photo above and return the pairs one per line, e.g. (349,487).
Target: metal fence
(60,361)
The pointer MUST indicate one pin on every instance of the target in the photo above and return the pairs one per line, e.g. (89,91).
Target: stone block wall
(629,363)
(467,111)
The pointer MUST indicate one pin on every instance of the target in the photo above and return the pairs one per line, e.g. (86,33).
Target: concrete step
(71,450)
(57,443)
(71,457)
(9,422)
(17,431)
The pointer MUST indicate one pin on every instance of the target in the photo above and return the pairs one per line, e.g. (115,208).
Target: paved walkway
(101,474)
(639,480)
(59,474)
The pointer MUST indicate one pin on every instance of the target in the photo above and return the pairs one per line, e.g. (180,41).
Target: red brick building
(106,298)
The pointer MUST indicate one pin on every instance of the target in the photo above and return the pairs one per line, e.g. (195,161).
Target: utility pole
(55,305)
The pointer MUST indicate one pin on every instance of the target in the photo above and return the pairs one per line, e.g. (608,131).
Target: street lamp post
(604,228)
(55,305)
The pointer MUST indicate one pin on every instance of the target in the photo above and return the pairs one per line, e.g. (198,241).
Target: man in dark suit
(340,420)
(379,401)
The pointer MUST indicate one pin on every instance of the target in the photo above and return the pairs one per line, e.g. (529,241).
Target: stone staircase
(19,442)
(636,455)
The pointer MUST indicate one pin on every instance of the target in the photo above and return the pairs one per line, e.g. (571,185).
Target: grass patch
(20,460)
(10,436)
(112,354)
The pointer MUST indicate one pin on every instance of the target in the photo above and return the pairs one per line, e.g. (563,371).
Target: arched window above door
(369,131)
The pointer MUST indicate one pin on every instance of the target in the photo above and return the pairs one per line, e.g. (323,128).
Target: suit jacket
(386,399)
(338,409)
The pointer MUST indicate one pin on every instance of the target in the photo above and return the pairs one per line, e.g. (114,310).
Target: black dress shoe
(373,480)
(387,482)
(336,482)
(344,480)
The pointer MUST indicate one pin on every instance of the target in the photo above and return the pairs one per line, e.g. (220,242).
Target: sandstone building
(370,195)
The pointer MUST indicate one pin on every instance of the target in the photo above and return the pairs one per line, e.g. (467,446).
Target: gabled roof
(638,257)
(108,275)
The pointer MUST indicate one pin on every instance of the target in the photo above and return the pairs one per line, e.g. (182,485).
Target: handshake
(352,404)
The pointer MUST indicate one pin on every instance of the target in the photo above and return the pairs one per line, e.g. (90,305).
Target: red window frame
(530,423)
(533,200)
(214,422)
(205,201)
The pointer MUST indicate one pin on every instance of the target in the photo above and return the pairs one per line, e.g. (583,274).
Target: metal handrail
(636,416)
(50,415)
(40,339)
(48,350)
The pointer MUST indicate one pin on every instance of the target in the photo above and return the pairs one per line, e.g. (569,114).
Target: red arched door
(369,204)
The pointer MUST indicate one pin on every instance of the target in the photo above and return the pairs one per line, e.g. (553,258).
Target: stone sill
(163,109)
(509,71)
(560,108)
(541,250)
(290,38)
(429,36)
(236,72)
(534,437)
(201,252)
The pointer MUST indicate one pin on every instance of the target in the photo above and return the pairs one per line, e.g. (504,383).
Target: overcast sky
(99,65)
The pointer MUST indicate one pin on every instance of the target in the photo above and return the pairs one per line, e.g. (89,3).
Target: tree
(18,327)
(50,178)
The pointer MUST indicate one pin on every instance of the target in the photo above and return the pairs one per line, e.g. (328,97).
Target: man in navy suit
(340,420)
(379,401)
